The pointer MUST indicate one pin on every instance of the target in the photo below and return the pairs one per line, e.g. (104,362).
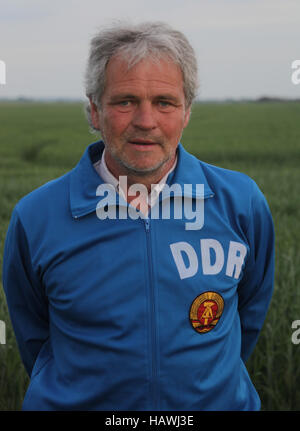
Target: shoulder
(233,183)
(236,194)
(226,178)
(45,199)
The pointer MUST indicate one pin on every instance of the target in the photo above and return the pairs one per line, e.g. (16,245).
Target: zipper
(153,334)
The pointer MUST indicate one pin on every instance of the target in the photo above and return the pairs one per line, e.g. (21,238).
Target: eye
(124,105)
(165,106)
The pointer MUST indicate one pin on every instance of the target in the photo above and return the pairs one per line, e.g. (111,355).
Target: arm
(256,287)
(26,300)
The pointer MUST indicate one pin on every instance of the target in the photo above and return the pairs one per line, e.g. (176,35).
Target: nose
(144,116)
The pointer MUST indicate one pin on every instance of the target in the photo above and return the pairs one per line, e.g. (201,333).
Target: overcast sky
(244,47)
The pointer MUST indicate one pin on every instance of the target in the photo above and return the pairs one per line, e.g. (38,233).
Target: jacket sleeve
(27,303)
(256,287)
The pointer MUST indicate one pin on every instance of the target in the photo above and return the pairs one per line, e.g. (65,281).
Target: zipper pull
(147,224)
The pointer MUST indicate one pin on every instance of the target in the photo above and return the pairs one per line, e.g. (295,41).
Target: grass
(40,141)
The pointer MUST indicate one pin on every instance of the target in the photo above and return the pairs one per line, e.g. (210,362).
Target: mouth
(142,144)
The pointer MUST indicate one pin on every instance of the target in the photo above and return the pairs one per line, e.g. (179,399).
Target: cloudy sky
(245,48)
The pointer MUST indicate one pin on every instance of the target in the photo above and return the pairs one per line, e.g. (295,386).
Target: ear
(187,115)
(94,114)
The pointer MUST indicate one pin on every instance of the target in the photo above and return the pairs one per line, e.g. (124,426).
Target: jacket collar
(84,180)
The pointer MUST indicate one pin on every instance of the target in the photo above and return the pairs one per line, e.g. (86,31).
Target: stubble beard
(131,169)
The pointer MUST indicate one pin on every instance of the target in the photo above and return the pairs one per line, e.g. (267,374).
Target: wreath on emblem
(206,311)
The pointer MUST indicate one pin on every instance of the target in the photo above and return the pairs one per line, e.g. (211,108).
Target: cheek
(115,123)
(172,129)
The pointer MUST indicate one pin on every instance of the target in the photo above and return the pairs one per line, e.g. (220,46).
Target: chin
(143,169)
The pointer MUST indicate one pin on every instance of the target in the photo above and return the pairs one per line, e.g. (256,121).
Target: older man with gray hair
(114,305)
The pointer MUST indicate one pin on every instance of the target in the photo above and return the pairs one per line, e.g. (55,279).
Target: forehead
(147,73)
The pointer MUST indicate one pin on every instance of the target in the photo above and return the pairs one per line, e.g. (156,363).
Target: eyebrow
(117,97)
(167,97)
(121,96)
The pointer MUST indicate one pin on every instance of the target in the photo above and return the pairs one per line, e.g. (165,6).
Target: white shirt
(152,197)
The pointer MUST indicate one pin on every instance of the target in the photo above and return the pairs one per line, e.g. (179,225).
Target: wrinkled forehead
(146,73)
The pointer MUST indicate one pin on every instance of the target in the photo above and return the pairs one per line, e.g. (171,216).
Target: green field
(40,141)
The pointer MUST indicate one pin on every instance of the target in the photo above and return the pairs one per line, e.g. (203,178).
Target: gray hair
(136,42)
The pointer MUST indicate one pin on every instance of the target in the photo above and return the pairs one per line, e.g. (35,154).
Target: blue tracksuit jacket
(139,314)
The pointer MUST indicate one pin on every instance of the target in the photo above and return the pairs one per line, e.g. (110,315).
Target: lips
(142,142)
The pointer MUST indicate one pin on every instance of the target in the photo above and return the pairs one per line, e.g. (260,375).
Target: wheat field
(41,141)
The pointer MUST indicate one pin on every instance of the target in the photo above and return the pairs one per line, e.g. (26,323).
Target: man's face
(142,116)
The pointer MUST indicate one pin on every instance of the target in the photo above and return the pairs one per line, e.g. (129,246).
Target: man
(115,305)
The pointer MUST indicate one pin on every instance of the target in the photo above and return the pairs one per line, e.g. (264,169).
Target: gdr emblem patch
(206,311)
